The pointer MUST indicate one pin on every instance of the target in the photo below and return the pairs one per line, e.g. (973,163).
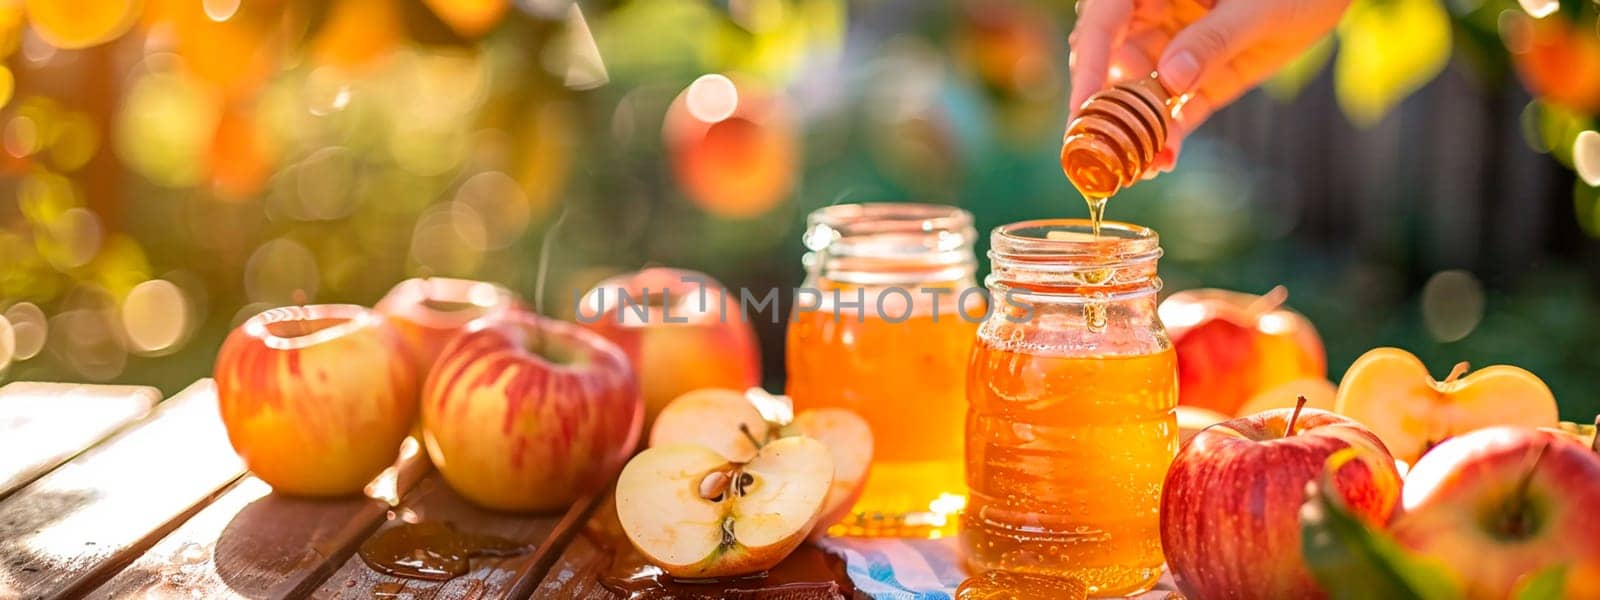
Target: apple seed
(714,484)
(745,480)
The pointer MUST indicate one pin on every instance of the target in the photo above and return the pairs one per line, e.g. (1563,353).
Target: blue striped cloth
(901,569)
(913,569)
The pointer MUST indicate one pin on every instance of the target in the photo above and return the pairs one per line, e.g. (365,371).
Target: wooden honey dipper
(1117,135)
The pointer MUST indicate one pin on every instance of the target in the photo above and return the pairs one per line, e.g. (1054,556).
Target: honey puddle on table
(435,551)
(810,572)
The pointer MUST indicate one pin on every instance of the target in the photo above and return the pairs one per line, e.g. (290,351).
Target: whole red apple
(316,399)
(428,312)
(1230,508)
(527,413)
(1498,505)
(681,330)
(1232,346)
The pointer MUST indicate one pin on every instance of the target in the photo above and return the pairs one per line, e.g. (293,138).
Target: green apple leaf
(1388,49)
(1549,583)
(1352,561)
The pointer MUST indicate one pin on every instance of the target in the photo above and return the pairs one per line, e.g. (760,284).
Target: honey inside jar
(1070,426)
(888,337)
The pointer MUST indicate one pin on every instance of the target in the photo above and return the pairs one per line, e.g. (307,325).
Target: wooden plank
(44,424)
(251,543)
(73,528)
(576,575)
(512,577)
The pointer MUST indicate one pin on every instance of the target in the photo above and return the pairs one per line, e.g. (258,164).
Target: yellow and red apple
(681,330)
(1230,507)
(697,515)
(526,413)
(316,399)
(1390,391)
(428,312)
(1233,346)
(1499,506)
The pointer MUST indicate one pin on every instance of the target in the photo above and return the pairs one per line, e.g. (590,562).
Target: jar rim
(870,218)
(1074,240)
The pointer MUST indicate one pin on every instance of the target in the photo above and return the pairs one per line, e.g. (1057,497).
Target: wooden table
(107,493)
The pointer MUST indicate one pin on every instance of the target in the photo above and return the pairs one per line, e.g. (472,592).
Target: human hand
(1210,50)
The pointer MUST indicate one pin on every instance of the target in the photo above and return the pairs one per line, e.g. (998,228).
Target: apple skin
(1455,497)
(512,429)
(1232,346)
(1230,508)
(714,348)
(413,307)
(316,399)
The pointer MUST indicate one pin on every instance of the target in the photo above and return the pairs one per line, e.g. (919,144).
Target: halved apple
(849,441)
(1318,392)
(713,418)
(723,420)
(1583,434)
(1193,419)
(696,515)
(1391,392)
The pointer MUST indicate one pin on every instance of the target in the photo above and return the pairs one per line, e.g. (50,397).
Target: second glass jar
(883,327)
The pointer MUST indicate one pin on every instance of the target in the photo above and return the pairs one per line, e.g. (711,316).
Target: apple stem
(1295,416)
(1457,371)
(1517,524)
(1594,443)
(745,429)
(1268,301)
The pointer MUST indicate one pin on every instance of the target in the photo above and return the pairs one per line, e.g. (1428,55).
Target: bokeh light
(1586,156)
(155,316)
(1452,305)
(81,23)
(87,335)
(29,329)
(8,343)
(738,166)
(281,271)
(500,204)
(166,124)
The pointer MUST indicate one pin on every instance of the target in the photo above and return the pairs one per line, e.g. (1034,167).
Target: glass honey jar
(1070,426)
(883,327)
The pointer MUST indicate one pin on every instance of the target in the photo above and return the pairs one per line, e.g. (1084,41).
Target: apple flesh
(1230,507)
(681,330)
(316,399)
(720,419)
(697,516)
(1501,504)
(525,413)
(1232,346)
(849,442)
(1390,391)
(735,424)
(429,312)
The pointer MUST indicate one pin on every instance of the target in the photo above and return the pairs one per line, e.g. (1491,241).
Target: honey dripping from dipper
(1115,138)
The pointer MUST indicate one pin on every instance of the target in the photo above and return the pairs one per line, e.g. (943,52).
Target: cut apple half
(723,420)
(697,515)
(849,440)
(1390,391)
